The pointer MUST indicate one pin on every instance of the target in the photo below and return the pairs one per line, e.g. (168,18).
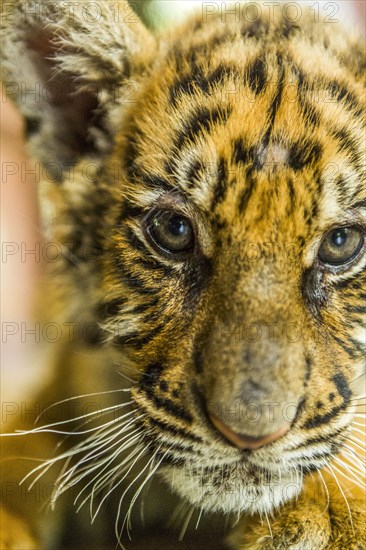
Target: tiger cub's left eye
(171,231)
(341,245)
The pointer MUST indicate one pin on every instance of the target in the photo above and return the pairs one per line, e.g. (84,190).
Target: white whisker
(329,467)
(199,518)
(81,396)
(185,524)
(140,455)
(269,525)
(357,443)
(326,491)
(354,480)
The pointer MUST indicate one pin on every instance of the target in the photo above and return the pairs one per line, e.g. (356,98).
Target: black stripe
(342,386)
(198,361)
(110,308)
(256,75)
(187,85)
(314,292)
(359,204)
(344,391)
(243,153)
(291,192)
(361,348)
(141,308)
(191,56)
(167,449)
(140,342)
(341,93)
(150,263)
(356,309)
(276,101)
(221,186)
(303,153)
(247,192)
(196,79)
(202,120)
(149,381)
(308,366)
(348,143)
(151,375)
(133,282)
(320,419)
(170,407)
(221,73)
(195,169)
(310,113)
(121,340)
(318,439)
(351,352)
(174,430)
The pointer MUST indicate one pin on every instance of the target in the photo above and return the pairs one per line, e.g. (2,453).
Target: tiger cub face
(228,206)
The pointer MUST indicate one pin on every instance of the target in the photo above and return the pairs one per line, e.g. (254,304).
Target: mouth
(215,475)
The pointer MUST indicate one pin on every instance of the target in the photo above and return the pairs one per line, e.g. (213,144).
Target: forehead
(249,132)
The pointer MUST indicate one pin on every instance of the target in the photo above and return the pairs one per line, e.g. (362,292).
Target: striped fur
(255,131)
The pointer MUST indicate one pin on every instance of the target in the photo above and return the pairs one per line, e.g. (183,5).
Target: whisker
(139,455)
(357,377)
(73,398)
(326,491)
(357,443)
(199,518)
(269,524)
(352,466)
(354,480)
(81,417)
(185,524)
(153,468)
(88,469)
(352,454)
(329,467)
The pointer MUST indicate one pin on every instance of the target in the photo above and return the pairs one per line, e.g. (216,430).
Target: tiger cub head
(219,171)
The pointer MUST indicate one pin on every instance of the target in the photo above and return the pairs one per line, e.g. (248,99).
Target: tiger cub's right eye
(171,232)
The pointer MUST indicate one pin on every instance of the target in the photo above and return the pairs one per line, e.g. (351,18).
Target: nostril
(244,441)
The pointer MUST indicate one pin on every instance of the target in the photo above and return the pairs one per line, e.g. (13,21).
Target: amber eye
(341,245)
(171,231)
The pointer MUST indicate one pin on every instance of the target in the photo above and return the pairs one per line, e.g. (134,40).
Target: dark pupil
(177,226)
(339,237)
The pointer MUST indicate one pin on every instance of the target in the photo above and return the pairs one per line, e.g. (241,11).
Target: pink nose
(243,441)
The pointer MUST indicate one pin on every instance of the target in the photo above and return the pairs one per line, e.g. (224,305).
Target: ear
(67,65)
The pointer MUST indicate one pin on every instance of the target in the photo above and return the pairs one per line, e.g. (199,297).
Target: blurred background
(23,366)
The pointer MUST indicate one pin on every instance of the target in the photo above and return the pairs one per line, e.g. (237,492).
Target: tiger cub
(206,187)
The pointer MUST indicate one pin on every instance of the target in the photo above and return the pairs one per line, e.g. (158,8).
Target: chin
(234,489)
